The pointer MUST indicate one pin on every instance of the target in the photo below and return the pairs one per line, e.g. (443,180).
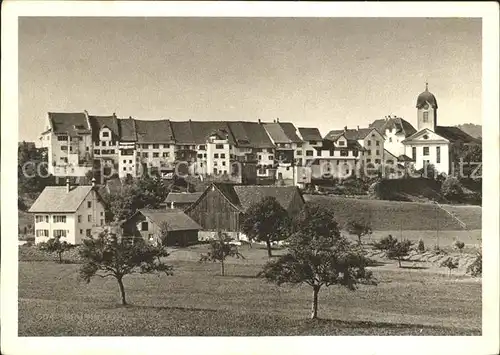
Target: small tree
(359,228)
(318,256)
(164,229)
(220,249)
(450,263)
(421,246)
(476,267)
(55,245)
(452,189)
(459,245)
(111,255)
(394,249)
(266,221)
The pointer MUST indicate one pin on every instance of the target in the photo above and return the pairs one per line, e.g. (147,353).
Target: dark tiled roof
(329,145)
(282,132)
(154,131)
(455,134)
(310,134)
(176,219)
(58,199)
(243,196)
(183,197)
(182,132)
(404,157)
(97,122)
(203,129)
(401,125)
(426,97)
(350,134)
(69,123)
(250,134)
(127,129)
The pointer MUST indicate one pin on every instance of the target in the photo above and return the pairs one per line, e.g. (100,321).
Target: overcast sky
(324,73)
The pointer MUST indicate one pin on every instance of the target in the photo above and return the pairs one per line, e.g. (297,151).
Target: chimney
(258,120)
(358,128)
(114,114)
(277,120)
(86,113)
(93,182)
(68,187)
(345,128)
(274,121)
(130,117)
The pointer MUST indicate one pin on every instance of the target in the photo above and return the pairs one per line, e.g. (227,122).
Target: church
(429,143)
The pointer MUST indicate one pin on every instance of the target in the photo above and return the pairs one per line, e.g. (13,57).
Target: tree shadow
(369,324)
(245,276)
(160,308)
(413,267)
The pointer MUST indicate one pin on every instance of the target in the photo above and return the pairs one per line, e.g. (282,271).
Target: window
(309,153)
(332,152)
(102,213)
(369,143)
(156,146)
(390,161)
(223,156)
(426,150)
(342,143)
(390,139)
(144,226)
(145,155)
(79,218)
(215,163)
(355,153)
(377,143)
(426,117)
(202,147)
(368,152)
(318,153)
(166,146)
(223,163)
(271,157)
(59,219)
(299,152)
(377,161)
(200,156)
(89,204)
(89,218)
(57,233)
(260,156)
(216,156)
(88,232)
(344,152)
(130,161)
(42,232)
(313,142)
(219,146)
(81,231)
(377,152)
(105,134)
(39,219)
(156,155)
(62,138)
(124,168)
(64,147)
(414,153)
(87,149)
(166,154)
(102,222)
(368,160)
(438,155)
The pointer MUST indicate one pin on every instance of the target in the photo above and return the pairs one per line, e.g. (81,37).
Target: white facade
(374,145)
(218,156)
(428,147)
(394,142)
(71,227)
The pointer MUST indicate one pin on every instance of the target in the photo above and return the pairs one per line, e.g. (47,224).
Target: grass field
(197,301)
(391,215)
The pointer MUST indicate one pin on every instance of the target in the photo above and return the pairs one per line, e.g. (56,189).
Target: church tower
(426,110)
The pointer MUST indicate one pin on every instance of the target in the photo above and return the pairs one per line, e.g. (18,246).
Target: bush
(450,264)
(458,245)
(421,246)
(452,189)
(476,268)
(395,249)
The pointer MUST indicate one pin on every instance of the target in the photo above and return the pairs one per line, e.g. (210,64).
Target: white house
(68,212)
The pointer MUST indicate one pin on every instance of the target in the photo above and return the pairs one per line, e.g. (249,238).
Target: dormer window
(342,143)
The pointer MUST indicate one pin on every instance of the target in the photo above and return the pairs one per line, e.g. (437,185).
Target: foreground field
(197,301)
(392,215)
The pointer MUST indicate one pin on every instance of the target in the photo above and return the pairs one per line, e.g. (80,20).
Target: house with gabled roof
(222,207)
(105,138)
(67,212)
(68,140)
(150,224)
(181,200)
(395,131)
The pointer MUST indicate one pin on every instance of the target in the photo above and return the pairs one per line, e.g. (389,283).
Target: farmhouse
(68,212)
(222,206)
(181,200)
(148,224)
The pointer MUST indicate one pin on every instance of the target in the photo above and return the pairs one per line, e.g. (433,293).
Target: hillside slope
(391,215)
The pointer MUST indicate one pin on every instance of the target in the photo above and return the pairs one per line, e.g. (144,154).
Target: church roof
(402,126)
(426,97)
(455,134)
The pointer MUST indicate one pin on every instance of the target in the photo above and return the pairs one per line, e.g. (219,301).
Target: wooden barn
(181,200)
(182,230)
(222,206)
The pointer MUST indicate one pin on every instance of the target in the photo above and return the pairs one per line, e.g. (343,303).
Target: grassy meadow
(196,300)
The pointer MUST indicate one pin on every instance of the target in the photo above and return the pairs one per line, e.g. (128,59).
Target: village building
(222,207)
(105,138)
(128,158)
(395,131)
(151,224)
(68,212)
(181,200)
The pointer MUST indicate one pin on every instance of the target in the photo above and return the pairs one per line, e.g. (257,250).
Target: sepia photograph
(238,175)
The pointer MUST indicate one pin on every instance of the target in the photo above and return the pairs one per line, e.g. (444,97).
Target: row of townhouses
(78,142)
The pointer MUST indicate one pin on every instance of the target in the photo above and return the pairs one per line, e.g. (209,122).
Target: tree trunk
(314,308)
(60,257)
(359,239)
(122,290)
(268,244)
(399,262)
(222,267)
